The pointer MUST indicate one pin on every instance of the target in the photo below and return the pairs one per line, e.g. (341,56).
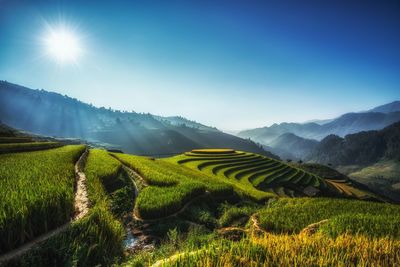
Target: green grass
(369,218)
(107,181)
(155,202)
(101,171)
(230,214)
(97,238)
(25,147)
(372,225)
(37,193)
(171,186)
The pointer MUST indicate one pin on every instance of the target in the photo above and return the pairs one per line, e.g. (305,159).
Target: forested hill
(53,114)
(362,148)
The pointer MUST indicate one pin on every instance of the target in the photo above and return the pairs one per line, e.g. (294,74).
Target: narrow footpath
(81,204)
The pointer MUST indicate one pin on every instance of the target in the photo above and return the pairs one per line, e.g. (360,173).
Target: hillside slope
(387,108)
(291,146)
(53,114)
(363,148)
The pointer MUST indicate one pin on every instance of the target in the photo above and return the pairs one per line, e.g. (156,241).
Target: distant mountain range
(348,123)
(295,140)
(388,108)
(53,114)
(291,146)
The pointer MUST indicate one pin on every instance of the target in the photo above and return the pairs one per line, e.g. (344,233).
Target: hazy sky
(233,64)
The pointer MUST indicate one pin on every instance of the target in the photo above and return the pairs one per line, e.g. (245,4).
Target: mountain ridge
(347,123)
(53,114)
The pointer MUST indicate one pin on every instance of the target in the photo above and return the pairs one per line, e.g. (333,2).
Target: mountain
(346,124)
(291,146)
(181,121)
(53,114)
(265,135)
(387,108)
(364,148)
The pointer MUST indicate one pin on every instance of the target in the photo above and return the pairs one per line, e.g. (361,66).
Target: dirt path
(141,182)
(313,228)
(81,195)
(81,204)
(256,224)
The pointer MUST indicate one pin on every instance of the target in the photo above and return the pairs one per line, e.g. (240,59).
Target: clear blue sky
(233,64)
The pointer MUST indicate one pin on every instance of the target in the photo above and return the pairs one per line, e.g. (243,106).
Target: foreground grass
(344,216)
(37,193)
(96,239)
(293,250)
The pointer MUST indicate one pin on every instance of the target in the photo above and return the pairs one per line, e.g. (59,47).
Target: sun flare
(63,45)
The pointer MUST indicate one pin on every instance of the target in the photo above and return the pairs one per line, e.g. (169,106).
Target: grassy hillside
(383,176)
(170,187)
(261,176)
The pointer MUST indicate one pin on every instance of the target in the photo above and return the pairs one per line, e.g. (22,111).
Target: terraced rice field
(26,146)
(37,193)
(170,187)
(254,172)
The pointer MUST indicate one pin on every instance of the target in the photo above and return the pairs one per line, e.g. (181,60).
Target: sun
(63,45)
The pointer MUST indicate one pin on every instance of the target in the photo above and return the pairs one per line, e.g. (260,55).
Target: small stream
(130,241)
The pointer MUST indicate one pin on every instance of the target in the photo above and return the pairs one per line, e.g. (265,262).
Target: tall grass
(294,250)
(171,186)
(156,202)
(355,216)
(97,238)
(37,193)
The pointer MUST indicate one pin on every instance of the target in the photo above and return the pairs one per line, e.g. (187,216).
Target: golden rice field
(293,250)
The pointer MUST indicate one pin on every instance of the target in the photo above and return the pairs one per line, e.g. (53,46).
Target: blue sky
(229,64)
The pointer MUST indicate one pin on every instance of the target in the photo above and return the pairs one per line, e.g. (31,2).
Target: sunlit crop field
(37,193)
(260,177)
(344,216)
(170,186)
(294,250)
(25,147)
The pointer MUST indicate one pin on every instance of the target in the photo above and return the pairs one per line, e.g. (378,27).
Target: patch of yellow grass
(295,250)
(213,150)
